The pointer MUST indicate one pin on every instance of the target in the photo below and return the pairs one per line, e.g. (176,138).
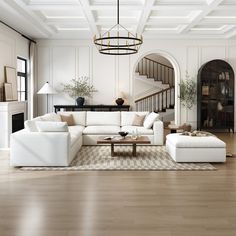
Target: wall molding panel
(110,74)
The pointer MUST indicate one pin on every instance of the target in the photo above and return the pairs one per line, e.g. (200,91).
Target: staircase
(162,101)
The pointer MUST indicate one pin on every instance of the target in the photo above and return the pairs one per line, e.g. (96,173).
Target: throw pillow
(138,120)
(150,119)
(51,117)
(51,126)
(68,119)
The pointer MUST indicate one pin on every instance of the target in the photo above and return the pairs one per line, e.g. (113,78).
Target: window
(21,79)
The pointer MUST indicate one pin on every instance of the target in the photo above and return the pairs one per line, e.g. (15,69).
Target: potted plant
(188,92)
(78,89)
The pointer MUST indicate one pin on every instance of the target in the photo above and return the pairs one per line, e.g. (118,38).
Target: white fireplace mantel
(7,109)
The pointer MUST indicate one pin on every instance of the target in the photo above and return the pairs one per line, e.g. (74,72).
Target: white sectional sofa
(31,147)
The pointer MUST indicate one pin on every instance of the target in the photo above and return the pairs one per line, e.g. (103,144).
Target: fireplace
(12,117)
(17,122)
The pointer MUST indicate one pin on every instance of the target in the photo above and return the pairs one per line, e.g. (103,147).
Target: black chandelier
(118,40)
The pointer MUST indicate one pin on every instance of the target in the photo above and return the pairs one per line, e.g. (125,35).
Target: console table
(92,108)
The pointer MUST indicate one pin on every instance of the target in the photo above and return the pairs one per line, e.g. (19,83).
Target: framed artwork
(205,90)
(8,92)
(10,74)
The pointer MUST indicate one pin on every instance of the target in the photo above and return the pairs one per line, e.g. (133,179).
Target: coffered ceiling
(81,19)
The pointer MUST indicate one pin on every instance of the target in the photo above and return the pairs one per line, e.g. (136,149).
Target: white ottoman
(195,149)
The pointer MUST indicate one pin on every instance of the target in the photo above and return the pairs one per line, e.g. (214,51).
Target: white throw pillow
(150,119)
(30,125)
(51,117)
(51,126)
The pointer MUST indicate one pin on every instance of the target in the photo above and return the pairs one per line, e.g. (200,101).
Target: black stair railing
(157,102)
(156,70)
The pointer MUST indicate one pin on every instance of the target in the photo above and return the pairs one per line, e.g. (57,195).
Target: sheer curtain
(32,107)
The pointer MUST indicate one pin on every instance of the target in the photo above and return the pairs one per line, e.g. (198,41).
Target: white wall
(61,60)
(11,45)
(159,59)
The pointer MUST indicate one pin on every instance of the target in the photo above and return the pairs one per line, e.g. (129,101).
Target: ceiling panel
(152,18)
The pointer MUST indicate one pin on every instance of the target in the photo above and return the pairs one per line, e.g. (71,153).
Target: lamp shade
(47,89)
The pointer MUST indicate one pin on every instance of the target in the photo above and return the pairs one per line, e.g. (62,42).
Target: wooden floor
(119,203)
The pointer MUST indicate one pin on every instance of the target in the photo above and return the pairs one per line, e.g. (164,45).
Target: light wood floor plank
(119,203)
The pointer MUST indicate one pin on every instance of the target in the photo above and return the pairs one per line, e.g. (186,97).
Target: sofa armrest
(158,129)
(39,148)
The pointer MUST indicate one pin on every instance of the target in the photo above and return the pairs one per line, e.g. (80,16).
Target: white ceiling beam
(212,4)
(227,7)
(189,7)
(228,28)
(180,36)
(123,22)
(232,33)
(218,21)
(89,16)
(21,7)
(15,11)
(147,8)
(54,7)
(167,21)
(112,7)
(65,20)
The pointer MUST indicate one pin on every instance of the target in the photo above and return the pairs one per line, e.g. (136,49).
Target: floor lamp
(47,89)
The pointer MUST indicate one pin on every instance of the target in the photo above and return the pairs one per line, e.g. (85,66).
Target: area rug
(148,158)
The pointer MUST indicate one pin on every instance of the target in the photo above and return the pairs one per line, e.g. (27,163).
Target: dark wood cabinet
(215,96)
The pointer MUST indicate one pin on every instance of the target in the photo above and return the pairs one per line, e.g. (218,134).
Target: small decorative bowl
(123,134)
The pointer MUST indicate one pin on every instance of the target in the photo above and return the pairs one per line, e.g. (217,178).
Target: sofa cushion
(78,116)
(127,117)
(51,117)
(150,119)
(141,130)
(103,118)
(30,125)
(76,129)
(75,133)
(101,129)
(51,126)
(182,141)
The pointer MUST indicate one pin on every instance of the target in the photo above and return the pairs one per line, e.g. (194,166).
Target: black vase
(80,101)
(119,101)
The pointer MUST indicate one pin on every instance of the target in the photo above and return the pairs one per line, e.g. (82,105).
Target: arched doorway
(176,71)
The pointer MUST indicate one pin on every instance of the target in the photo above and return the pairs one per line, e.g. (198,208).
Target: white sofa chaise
(29,147)
(183,148)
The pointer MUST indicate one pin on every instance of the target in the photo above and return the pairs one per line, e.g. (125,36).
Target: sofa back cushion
(51,117)
(79,117)
(30,125)
(127,117)
(103,118)
(51,126)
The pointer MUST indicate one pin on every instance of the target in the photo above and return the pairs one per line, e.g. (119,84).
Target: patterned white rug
(148,158)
